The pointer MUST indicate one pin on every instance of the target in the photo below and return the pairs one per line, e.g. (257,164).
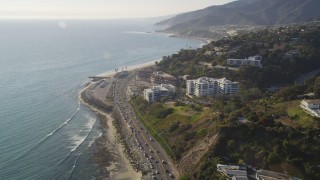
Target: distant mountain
(199,14)
(246,12)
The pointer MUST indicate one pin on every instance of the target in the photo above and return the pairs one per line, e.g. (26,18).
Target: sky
(98,9)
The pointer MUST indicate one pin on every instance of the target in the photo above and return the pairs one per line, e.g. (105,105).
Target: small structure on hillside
(250,61)
(311,106)
(163,78)
(292,53)
(236,172)
(265,175)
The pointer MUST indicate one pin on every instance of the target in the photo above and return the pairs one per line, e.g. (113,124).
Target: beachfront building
(250,61)
(211,87)
(163,78)
(157,92)
(311,106)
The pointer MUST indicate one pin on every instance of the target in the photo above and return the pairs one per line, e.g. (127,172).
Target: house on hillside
(312,107)
(209,53)
(234,172)
(251,61)
(292,53)
(163,78)
(266,175)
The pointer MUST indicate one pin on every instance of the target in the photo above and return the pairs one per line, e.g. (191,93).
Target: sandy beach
(110,153)
(109,74)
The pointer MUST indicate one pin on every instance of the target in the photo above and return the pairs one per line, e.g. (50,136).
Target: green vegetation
(179,130)
(259,127)
(297,115)
(272,44)
(265,147)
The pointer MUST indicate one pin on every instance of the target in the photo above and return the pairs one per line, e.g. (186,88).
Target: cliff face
(245,12)
(191,160)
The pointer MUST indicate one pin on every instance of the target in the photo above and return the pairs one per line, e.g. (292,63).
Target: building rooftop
(159,73)
(270,175)
(206,79)
(224,80)
(312,101)
(255,58)
(231,173)
(251,58)
(230,167)
(240,178)
(159,88)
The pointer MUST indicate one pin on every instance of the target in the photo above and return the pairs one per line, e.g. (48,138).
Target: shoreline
(204,41)
(113,159)
(135,67)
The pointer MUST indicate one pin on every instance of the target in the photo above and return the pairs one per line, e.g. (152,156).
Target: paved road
(160,162)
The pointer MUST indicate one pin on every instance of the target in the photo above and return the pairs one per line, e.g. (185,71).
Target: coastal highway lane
(159,159)
(127,112)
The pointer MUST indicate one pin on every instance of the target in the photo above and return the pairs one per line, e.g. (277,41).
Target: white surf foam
(50,134)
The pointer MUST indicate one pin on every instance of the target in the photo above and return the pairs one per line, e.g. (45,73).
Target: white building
(203,86)
(251,61)
(234,172)
(311,106)
(171,88)
(210,87)
(228,87)
(266,175)
(157,92)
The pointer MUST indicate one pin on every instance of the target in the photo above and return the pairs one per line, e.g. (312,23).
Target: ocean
(45,133)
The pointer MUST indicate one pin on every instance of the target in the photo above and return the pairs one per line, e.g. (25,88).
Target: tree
(316,88)
(274,157)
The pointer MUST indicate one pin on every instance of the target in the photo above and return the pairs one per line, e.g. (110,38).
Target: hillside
(243,12)
(259,127)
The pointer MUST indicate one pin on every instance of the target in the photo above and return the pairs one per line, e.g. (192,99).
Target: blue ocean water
(44,132)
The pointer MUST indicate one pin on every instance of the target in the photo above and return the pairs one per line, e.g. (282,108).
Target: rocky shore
(131,147)
(113,150)
(118,153)
(126,150)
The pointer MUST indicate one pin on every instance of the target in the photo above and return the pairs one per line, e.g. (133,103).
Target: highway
(160,164)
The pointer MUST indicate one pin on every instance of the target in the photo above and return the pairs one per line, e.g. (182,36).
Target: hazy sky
(99,8)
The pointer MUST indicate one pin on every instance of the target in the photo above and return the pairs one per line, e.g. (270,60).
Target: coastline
(135,67)
(204,41)
(111,155)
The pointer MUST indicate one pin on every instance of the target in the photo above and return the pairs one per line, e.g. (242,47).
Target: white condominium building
(157,92)
(203,86)
(228,87)
(210,87)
